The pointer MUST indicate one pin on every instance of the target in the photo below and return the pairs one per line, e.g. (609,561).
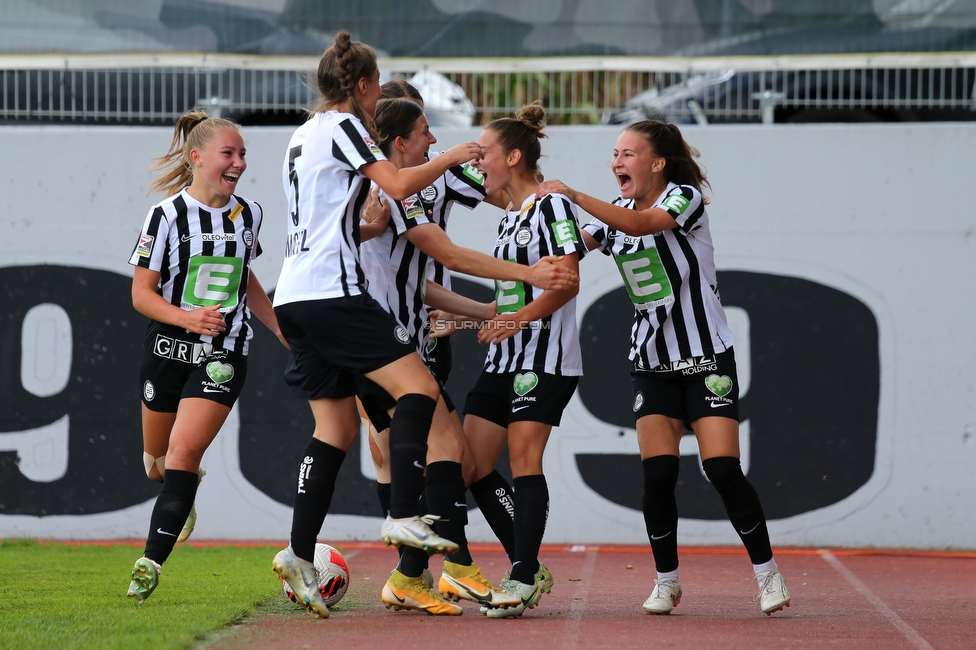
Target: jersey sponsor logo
(431,343)
(676,203)
(295,243)
(564,231)
(148,391)
(372,146)
(248,237)
(412,207)
(218,236)
(145,246)
(213,281)
(429,194)
(638,401)
(183,351)
(401,334)
(523,237)
(718,385)
(524,383)
(220,372)
(236,212)
(469,170)
(645,278)
(509,295)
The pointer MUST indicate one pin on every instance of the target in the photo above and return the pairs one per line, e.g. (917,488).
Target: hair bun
(533,116)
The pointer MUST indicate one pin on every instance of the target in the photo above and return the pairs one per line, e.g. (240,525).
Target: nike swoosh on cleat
(402,600)
(163,532)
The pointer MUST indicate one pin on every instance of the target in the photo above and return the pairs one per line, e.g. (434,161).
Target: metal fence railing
(147,89)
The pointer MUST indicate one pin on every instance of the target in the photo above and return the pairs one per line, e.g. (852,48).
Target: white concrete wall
(882,213)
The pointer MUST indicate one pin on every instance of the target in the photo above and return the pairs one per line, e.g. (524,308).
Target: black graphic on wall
(812,402)
(101,398)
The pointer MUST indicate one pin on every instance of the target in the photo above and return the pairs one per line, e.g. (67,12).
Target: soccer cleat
(416,532)
(145,579)
(528,596)
(460,581)
(664,598)
(191,519)
(544,577)
(303,579)
(772,595)
(402,592)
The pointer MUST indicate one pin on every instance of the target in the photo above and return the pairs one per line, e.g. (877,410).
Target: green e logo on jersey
(645,278)
(213,281)
(676,202)
(509,295)
(468,170)
(564,231)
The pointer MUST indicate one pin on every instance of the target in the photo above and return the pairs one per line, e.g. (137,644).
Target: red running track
(841,599)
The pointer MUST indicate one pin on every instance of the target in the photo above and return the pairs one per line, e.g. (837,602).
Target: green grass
(61,596)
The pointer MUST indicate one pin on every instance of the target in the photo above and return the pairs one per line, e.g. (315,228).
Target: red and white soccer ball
(333,575)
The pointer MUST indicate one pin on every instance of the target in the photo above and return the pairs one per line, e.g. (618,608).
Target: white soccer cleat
(664,598)
(416,532)
(773,594)
(303,579)
(528,596)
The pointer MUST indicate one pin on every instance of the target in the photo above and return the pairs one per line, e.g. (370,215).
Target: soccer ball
(333,575)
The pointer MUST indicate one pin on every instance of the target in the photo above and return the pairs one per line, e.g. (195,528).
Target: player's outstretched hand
(206,320)
(548,274)
(556,187)
(464,152)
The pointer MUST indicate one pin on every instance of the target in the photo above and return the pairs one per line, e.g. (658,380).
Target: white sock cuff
(765,566)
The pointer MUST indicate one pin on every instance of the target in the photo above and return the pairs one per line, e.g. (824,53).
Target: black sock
(413,561)
(445,497)
(742,505)
(531,512)
(408,452)
(316,483)
(383,494)
(661,510)
(169,514)
(493,495)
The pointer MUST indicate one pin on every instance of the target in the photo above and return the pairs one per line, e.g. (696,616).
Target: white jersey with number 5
(541,227)
(325,194)
(203,256)
(670,277)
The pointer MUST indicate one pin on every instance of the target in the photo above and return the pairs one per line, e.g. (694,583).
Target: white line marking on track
(571,631)
(914,637)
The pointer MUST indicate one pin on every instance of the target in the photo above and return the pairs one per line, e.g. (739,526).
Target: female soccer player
(335,330)
(193,280)
(681,345)
(533,363)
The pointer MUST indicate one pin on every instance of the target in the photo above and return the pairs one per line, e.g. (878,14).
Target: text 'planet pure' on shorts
(525,396)
(689,389)
(175,368)
(334,340)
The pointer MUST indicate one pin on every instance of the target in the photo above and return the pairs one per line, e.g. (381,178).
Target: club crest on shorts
(431,344)
(525,383)
(401,334)
(148,391)
(638,401)
(523,237)
(220,372)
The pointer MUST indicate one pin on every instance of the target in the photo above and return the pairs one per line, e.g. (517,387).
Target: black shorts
(174,367)
(377,402)
(525,396)
(688,390)
(439,357)
(334,340)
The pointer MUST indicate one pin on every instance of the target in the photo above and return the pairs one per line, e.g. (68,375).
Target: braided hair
(340,68)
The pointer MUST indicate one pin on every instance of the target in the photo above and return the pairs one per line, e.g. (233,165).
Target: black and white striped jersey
(203,256)
(325,193)
(670,277)
(397,270)
(541,227)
